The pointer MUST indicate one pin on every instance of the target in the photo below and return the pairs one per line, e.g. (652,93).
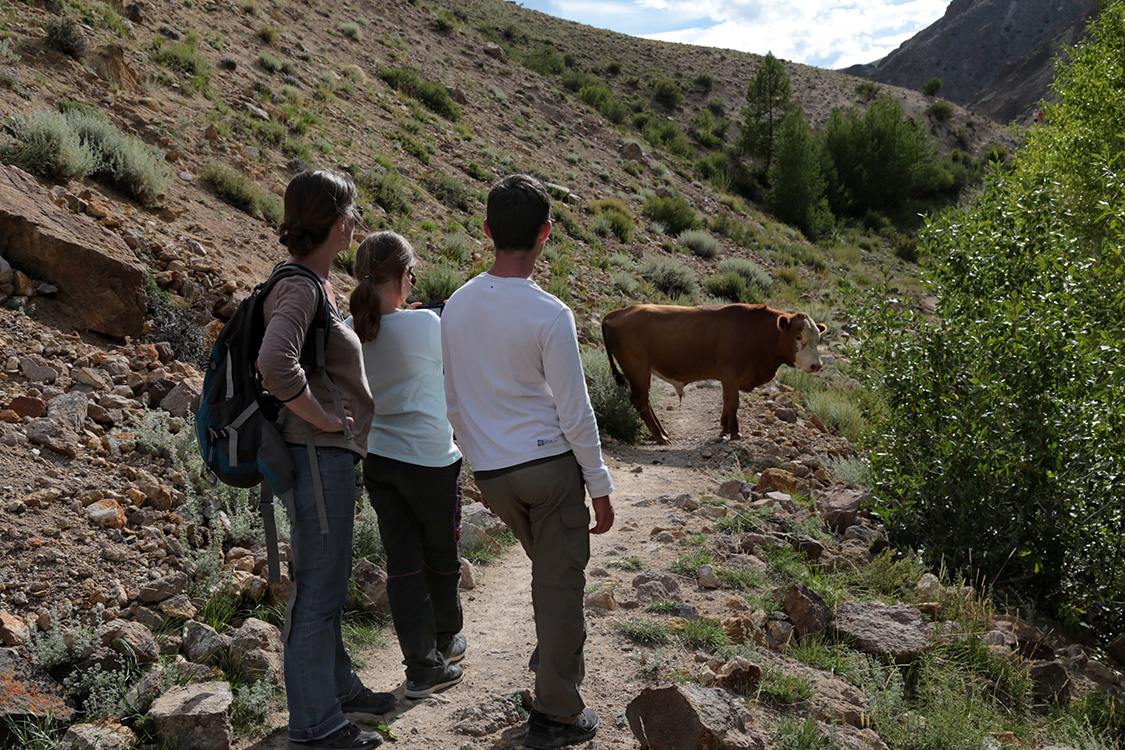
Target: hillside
(108,297)
(996,57)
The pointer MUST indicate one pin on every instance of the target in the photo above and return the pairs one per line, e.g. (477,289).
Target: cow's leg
(728,423)
(638,394)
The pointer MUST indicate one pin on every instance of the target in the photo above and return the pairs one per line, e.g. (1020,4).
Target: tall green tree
(769,98)
(797,183)
(1000,445)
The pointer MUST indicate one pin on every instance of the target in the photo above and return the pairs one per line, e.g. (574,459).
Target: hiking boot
(368,702)
(454,651)
(349,737)
(441,679)
(544,733)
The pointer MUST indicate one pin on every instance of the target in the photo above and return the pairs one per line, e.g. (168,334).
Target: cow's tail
(609,337)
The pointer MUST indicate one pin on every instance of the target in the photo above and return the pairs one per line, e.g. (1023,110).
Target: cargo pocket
(576,519)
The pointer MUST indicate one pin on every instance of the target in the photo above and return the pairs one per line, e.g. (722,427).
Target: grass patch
(642,632)
(662,606)
(184,58)
(241,192)
(631,564)
(781,688)
(702,634)
(841,414)
(689,563)
(432,95)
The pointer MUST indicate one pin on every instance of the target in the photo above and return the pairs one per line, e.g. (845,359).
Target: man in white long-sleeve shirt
(518,405)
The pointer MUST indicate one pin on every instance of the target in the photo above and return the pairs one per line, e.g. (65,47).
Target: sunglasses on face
(410,275)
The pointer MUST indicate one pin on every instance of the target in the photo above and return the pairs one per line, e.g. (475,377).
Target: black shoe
(545,733)
(369,702)
(348,737)
(455,650)
(441,679)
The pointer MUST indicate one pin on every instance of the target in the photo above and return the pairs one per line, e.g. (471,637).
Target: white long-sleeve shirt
(513,379)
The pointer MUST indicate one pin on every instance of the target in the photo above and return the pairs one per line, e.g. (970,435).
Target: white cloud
(825,33)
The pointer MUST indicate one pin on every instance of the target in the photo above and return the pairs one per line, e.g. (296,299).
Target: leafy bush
(667,93)
(618,218)
(704,82)
(732,286)
(700,242)
(1000,440)
(275,64)
(797,193)
(667,135)
(433,96)
(669,276)
(352,31)
(942,110)
(242,192)
(612,408)
(932,86)
(269,33)
(124,161)
(623,281)
(675,213)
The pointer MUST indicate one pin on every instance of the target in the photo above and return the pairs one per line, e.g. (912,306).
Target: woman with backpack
(325,426)
(412,470)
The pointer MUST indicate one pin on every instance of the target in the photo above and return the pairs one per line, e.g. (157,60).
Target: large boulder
(689,716)
(196,716)
(897,634)
(95,271)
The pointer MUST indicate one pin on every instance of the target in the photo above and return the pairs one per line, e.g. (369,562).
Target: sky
(826,33)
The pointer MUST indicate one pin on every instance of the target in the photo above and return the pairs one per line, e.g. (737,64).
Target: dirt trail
(498,616)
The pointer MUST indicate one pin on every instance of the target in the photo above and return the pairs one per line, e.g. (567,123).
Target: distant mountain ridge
(996,57)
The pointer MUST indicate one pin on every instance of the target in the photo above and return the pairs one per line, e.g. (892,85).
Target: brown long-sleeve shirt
(289,310)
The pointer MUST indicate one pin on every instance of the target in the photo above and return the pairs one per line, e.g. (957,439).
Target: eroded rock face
(28,693)
(95,271)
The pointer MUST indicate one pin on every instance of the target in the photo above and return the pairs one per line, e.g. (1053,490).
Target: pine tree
(797,182)
(769,100)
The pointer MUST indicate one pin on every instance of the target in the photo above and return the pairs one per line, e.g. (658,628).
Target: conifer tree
(769,98)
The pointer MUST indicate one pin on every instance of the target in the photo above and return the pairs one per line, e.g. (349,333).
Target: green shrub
(275,64)
(66,36)
(675,213)
(703,82)
(613,410)
(448,189)
(125,162)
(269,33)
(438,283)
(868,90)
(667,93)
(47,145)
(457,248)
(352,31)
(242,192)
(667,135)
(543,61)
(185,58)
(733,287)
(433,96)
(700,242)
(747,269)
(386,189)
(617,217)
(623,281)
(942,110)
(703,634)
(669,276)
(932,86)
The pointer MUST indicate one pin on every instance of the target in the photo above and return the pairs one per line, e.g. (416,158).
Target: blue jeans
(318,672)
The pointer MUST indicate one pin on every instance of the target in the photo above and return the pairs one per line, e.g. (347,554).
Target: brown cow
(741,346)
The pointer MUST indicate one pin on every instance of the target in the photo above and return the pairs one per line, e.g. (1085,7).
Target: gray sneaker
(349,737)
(455,650)
(445,677)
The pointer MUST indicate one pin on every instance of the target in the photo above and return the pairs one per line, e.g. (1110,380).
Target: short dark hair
(313,202)
(518,207)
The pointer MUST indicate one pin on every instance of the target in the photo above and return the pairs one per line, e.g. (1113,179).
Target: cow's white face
(808,341)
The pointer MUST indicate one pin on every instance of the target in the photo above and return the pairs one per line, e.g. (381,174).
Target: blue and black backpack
(236,421)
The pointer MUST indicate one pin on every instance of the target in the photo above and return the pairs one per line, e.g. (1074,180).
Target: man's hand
(603,515)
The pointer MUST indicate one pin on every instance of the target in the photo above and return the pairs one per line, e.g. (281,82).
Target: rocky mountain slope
(996,57)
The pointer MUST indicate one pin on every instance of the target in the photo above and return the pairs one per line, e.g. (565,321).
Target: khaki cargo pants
(545,507)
